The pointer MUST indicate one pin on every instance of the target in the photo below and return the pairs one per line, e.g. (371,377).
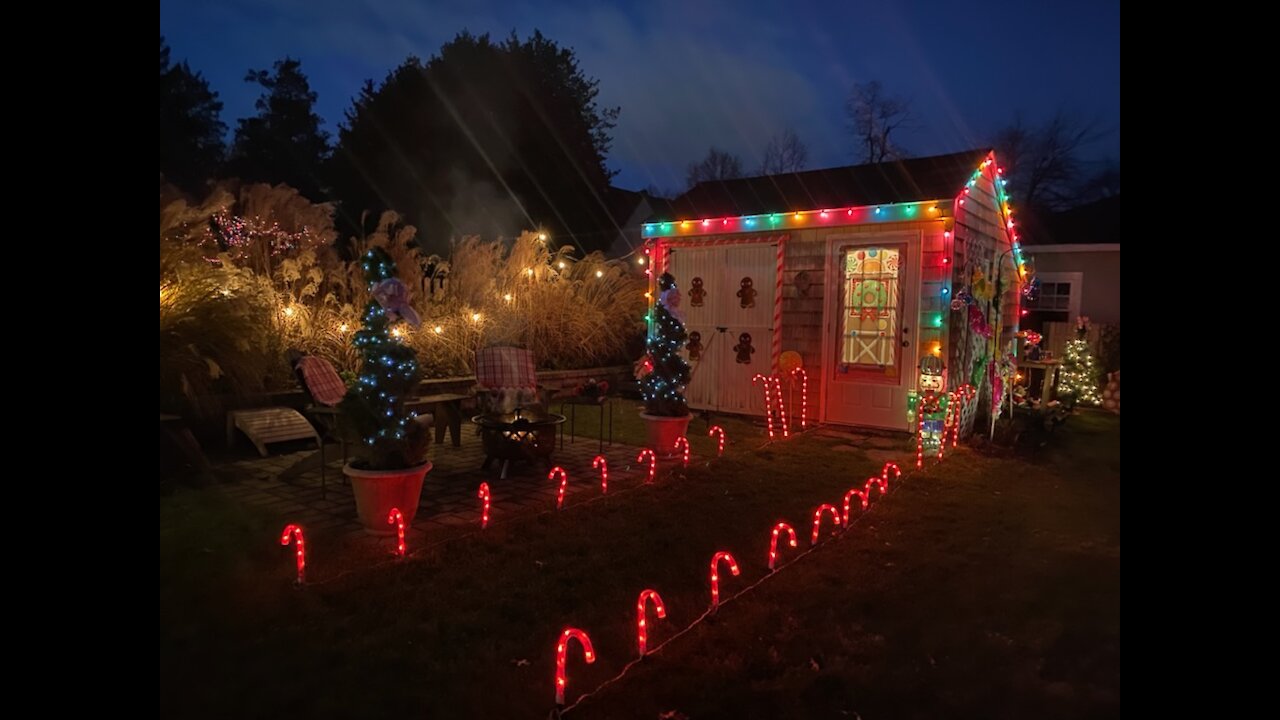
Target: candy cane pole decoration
(884,472)
(782,410)
(878,483)
(848,497)
(642,629)
(946,426)
(804,395)
(683,442)
(484,505)
(715,575)
(920,434)
(562,650)
(599,463)
(296,532)
(653,462)
(564,482)
(768,400)
(395,517)
(714,430)
(817,521)
(773,541)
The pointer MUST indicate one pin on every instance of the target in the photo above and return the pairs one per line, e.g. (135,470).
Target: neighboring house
(853,268)
(1076,255)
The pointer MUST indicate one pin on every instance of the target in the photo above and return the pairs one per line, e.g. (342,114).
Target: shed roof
(909,180)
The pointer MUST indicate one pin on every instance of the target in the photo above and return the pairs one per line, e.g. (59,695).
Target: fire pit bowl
(522,435)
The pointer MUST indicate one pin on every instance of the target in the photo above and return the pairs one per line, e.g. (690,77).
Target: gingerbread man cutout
(696,292)
(747,296)
(744,349)
(695,346)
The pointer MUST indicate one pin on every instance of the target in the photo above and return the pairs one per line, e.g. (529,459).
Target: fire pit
(522,435)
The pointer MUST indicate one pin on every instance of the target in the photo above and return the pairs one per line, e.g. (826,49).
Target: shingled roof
(910,180)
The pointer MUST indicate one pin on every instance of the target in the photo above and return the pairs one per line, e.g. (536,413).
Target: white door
(871,327)
(727,293)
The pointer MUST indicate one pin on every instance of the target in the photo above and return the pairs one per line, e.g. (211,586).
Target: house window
(1054,297)
(870,298)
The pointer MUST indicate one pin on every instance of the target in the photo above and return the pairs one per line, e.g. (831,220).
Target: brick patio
(448,494)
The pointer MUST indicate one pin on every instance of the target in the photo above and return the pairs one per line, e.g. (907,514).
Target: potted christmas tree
(389,443)
(1078,377)
(663,374)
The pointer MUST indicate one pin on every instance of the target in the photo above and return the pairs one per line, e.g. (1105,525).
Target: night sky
(691,73)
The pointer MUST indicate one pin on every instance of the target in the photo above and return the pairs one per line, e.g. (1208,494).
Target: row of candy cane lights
(957,401)
(839,521)
(773,403)
(395,517)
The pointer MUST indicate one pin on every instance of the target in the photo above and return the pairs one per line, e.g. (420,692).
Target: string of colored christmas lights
(600,463)
(714,430)
(817,521)
(564,482)
(642,630)
(888,212)
(396,518)
(295,532)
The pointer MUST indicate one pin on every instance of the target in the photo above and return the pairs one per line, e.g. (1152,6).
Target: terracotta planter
(377,491)
(663,432)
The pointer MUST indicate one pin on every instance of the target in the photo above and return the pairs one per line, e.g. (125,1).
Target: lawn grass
(984,587)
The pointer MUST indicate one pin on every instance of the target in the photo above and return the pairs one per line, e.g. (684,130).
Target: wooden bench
(269,425)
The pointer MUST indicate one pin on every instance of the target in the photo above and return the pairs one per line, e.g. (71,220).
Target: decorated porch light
(642,629)
(682,445)
(768,399)
(295,532)
(653,462)
(848,500)
(773,541)
(564,482)
(562,650)
(484,505)
(804,395)
(715,574)
(817,521)
(716,430)
(599,463)
(395,517)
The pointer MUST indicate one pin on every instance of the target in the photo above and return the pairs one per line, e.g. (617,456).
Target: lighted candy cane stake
(396,518)
(564,482)
(884,472)
(562,650)
(768,400)
(484,505)
(959,397)
(716,429)
(599,463)
(642,629)
(715,575)
(817,521)
(683,442)
(653,462)
(804,395)
(848,497)
(878,483)
(920,434)
(782,410)
(773,541)
(296,532)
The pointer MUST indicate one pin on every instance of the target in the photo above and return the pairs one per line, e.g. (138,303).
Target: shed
(864,271)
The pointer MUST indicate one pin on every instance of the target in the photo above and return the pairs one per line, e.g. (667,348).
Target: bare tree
(784,153)
(717,165)
(875,115)
(1043,163)
(1103,184)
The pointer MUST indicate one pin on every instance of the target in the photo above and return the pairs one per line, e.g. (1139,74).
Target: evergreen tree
(374,408)
(1078,376)
(191,131)
(663,387)
(285,142)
